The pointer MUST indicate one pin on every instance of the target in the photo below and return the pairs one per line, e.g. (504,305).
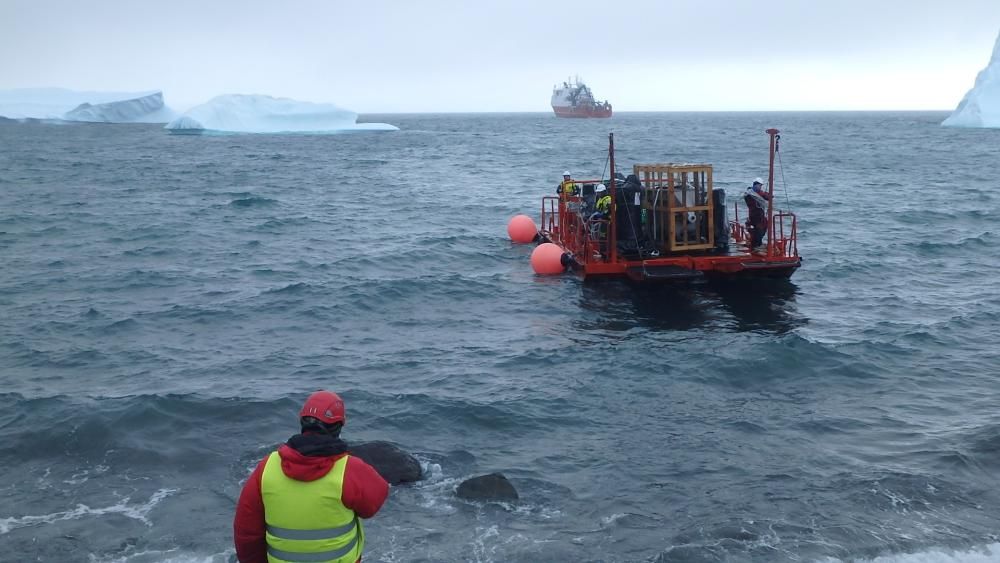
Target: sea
(167,302)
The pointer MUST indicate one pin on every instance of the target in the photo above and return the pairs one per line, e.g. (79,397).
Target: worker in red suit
(757,198)
(304,501)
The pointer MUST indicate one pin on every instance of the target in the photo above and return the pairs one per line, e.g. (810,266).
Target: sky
(382,56)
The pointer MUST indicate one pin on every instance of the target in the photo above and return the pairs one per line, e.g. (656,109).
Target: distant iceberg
(97,107)
(148,108)
(981,106)
(238,113)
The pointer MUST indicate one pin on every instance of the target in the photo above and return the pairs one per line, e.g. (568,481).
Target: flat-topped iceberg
(71,105)
(148,108)
(239,113)
(981,106)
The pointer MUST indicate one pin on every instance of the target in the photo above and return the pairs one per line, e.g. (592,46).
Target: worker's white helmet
(566,173)
(758,181)
(601,188)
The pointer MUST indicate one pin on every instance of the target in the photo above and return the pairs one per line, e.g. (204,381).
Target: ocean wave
(986,553)
(253,201)
(175,555)
(977,242)
(124,325)
(276,225)
(984,445)
(64,358)
(290,288)
(164,335)
(135,511)
(148,251)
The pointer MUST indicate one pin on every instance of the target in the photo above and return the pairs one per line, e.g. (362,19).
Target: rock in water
(392,463)
(487,487)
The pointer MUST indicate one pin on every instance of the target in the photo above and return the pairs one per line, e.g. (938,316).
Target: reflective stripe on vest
(320,556)
(604,204)
(307,520)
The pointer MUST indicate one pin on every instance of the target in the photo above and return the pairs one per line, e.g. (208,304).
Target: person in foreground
(303,502)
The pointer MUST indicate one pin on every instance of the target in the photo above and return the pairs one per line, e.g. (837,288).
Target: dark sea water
(167,302)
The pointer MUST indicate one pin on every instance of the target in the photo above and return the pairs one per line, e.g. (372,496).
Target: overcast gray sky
(440,55)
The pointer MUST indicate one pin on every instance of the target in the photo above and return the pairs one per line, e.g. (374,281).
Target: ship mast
(612,228)
(770,189)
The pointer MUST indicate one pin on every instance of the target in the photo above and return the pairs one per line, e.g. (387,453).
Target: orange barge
(666,222)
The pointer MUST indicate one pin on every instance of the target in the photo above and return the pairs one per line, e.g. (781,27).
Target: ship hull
(582,111)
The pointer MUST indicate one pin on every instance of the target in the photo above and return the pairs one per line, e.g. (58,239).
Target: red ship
(574,99)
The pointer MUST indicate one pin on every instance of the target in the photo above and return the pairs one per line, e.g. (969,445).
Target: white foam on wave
(484,549)
(438,496)
(489,544)
(436,492)
(83,476)
(607,521)
(430,471)
(523,508)
(135,511)
(168,556)
(985,554)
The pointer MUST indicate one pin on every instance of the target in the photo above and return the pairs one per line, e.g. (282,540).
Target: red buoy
(521,229)
(547,259)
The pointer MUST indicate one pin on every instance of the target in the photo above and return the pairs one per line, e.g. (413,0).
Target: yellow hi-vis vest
(567,187)
(306,520)
(604,204)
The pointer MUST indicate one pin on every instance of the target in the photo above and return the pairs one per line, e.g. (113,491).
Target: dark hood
(307,457)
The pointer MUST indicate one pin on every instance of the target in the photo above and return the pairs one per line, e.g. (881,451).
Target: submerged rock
(494,486)
(392,463)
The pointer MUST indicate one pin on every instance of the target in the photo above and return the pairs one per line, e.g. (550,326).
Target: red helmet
(324,406)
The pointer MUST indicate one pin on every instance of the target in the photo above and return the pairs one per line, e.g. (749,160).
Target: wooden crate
(677,200)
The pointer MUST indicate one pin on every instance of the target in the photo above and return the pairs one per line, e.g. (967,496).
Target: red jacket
(364,492)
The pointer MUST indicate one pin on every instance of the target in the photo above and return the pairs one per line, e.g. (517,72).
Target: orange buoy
(521,229)
(547,259)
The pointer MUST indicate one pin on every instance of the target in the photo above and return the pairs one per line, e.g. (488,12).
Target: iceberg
(148,108)
(241,113)
(97,107)
(981,105)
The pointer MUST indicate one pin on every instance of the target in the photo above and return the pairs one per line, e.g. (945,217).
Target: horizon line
(476,112)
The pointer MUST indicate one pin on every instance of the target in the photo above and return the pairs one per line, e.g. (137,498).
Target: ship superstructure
(573,98)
